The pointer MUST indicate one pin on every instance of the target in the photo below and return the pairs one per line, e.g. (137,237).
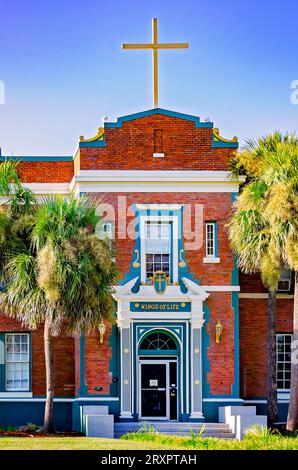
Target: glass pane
(17,361)
(283,348)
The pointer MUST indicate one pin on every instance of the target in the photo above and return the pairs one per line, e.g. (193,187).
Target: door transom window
(158,341)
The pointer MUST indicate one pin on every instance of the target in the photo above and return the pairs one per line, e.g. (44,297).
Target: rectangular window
(105,230)
(158,248)
(17,362)
(283,360)
(285,281)
(108,230)
(158,141)
(211,239)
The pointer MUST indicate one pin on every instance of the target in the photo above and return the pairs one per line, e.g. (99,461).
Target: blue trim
(22,412)
(154,352)
(235,307)
(158,352)
(3,365)
(114,361)
(143,306)
(83,390)
(2,361)
(161,325)
(36,159)
(152,112)
(210,409)
(222,144)
(67,414)
(205,349)
(94,144)
(216,239)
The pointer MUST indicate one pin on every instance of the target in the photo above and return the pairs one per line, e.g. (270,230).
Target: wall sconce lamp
(218,331)
(102,329)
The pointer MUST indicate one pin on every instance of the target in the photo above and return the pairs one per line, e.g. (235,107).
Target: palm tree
(275,175)
(56,271)
(252,242)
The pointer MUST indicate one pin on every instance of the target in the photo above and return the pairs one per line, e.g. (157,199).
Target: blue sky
(64,69)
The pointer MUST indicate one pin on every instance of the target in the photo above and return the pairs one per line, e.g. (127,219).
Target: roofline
(152,112)
(27,158)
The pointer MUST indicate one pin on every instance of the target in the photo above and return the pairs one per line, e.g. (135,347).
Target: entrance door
(158,391)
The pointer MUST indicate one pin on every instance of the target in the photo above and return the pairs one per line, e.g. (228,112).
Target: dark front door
(159,390)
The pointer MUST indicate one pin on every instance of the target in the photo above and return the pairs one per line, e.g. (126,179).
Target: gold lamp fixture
(218,331)
(102,329)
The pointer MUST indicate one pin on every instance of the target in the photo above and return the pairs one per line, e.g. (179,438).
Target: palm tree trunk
(292,421)
(50,378)
(272,406)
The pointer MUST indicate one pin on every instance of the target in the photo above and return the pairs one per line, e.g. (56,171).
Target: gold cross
(155,46)
(159,281)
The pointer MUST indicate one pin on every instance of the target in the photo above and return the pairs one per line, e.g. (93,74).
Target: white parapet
(96,421)
(240,418)
(99,426)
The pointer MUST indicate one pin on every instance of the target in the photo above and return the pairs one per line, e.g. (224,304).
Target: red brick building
(167,195)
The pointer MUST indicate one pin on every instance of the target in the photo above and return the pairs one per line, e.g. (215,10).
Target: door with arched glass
(158,376)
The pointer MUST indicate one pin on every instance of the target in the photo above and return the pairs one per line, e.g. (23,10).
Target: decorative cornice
(98,136)
(217,136)
(219,141)
(152,112)
(97,141)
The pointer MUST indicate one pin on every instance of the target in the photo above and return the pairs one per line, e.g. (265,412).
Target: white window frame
(101,231)
(159,218)
(286,275)
(210,224)
(281,362)
(159,224)
(20,389)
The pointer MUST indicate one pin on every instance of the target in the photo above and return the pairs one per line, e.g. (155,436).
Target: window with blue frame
(158,247)
(15,375)
(283,360)
(211,239)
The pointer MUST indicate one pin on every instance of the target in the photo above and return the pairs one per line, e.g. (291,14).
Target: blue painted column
(196,369)
(83,390)
(2,363)
(126,368)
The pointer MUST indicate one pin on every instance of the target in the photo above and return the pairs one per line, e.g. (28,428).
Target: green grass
(255,439)
(75,443)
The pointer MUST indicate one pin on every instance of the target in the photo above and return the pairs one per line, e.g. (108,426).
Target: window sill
(158,155)
(211,260)
(16,394)
(283,394)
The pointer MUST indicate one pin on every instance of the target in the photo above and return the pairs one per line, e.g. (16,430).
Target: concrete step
(221,430)
(175,430)
(172,424)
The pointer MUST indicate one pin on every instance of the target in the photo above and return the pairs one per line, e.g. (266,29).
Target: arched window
(158,341)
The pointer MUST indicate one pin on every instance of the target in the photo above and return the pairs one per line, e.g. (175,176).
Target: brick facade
(186,147)
(131,147)
(253,334)
(46,172)
(63,356)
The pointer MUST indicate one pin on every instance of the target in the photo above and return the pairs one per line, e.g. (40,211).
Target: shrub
(29,427)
